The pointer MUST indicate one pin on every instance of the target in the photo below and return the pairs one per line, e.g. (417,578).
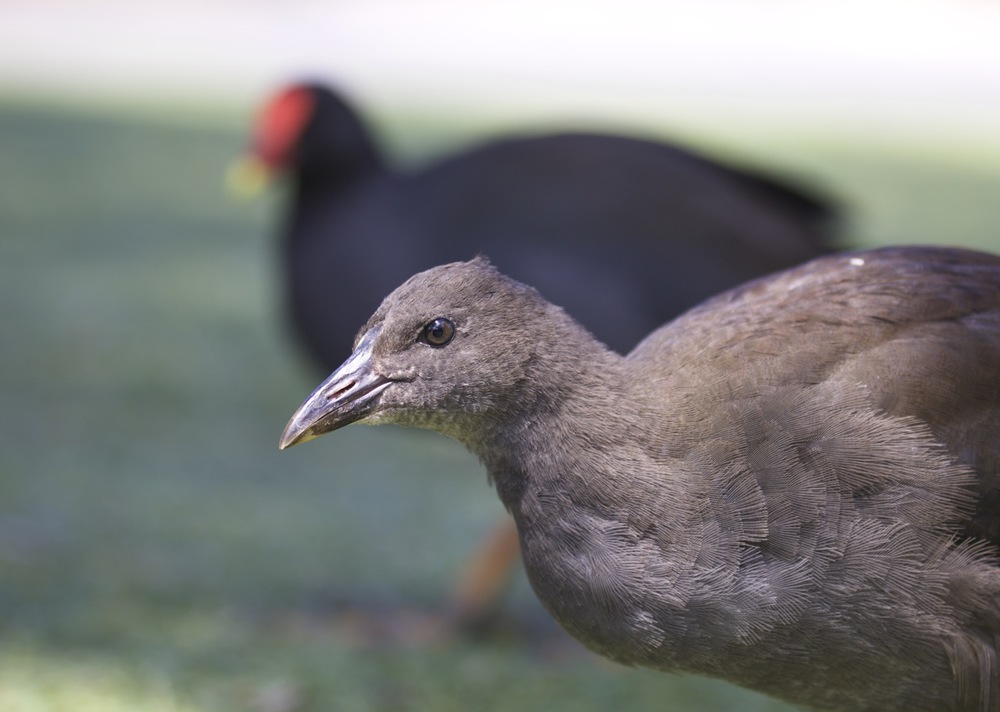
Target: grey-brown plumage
(795,486)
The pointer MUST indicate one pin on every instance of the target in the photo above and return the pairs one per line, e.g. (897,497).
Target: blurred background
(156,551)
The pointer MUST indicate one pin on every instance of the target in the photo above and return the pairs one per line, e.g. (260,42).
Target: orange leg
(486,575)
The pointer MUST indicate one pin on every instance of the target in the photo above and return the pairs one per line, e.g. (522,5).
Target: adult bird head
(305,128)
(448,350)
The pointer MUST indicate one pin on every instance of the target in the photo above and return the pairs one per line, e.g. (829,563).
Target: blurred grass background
(158,553)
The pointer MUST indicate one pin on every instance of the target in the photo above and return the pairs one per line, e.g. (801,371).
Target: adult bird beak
(349,394)
(247,177)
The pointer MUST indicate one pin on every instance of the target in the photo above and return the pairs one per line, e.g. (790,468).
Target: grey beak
(349,394)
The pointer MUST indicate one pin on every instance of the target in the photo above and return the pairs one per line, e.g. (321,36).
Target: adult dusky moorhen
(624,233)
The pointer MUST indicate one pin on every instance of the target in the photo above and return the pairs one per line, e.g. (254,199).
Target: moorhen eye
(438,332)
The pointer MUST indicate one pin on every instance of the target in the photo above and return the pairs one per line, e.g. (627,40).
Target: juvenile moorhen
(794,486)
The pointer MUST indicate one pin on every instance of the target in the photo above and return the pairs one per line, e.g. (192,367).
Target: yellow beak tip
(247,177)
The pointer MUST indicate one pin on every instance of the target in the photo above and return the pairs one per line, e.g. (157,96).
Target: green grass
(158,553)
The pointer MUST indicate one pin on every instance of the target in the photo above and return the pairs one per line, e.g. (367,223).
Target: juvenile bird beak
(349,394)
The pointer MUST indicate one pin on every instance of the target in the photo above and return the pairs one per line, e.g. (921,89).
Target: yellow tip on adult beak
(247,177)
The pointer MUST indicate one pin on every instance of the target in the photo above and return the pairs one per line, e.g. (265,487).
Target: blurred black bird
(625,234)
(793,486)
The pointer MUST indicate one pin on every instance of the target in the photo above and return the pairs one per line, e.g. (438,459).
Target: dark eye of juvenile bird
(438,332)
